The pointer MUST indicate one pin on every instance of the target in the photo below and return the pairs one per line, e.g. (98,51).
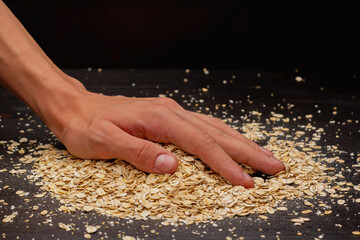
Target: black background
(243,35)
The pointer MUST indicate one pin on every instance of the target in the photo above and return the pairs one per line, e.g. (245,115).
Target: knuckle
(143,153)
(94,130)
(157,110)
(98,138)
(214,120)
(98,133)
(244,158)
(208,140)
(220,123)
(168,101)
(220,133)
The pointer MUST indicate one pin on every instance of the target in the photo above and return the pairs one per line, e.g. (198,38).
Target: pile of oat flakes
(194,193)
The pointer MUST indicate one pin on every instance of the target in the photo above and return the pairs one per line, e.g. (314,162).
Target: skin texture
(95,126)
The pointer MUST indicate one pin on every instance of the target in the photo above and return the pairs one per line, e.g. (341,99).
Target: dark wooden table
(249,90)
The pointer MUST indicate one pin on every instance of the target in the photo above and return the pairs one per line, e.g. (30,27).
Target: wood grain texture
(149,82)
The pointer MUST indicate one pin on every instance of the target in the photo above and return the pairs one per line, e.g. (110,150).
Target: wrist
(26,71)
(60,102)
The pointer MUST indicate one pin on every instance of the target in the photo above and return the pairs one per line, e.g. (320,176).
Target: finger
(234,143)
(246,154)
(208,150)
(143,154)
(230,131)
(215,122)
(240,151)
(197,142)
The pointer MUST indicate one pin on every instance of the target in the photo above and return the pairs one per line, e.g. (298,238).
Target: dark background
(242,35)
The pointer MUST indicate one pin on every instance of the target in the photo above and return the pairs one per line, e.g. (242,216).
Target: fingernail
(266,151)
(249,180)
(164,163)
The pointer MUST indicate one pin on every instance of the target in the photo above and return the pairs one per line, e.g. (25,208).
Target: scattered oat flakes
(43,212)
(309,204)
(91,229)
(128,238)
(40,195)
(263,217)
(306,211)
(64,226)
(10,218)
(192,194)
(298,79)
(300,220)
(23,140)
(22,193)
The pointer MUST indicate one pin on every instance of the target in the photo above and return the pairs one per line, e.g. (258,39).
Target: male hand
(101,127)
(105,127)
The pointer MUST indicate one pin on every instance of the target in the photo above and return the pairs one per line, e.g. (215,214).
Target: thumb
(143,154)
(151,157)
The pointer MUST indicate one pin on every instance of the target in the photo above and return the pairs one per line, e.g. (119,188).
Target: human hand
(101,127)
(105,127)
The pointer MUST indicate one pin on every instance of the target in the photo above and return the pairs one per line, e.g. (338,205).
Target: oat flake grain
(192,194)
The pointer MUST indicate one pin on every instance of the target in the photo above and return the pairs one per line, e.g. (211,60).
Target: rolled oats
(193,194)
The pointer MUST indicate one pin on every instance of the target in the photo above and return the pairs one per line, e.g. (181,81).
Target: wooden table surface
(251,90)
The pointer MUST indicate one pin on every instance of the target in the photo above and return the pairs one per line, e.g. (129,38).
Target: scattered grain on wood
(91,229)
(192,194)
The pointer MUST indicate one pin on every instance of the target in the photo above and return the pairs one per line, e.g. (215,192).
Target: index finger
(230,131)
(203,145)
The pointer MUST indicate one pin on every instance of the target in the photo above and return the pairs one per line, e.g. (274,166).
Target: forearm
(31,75)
